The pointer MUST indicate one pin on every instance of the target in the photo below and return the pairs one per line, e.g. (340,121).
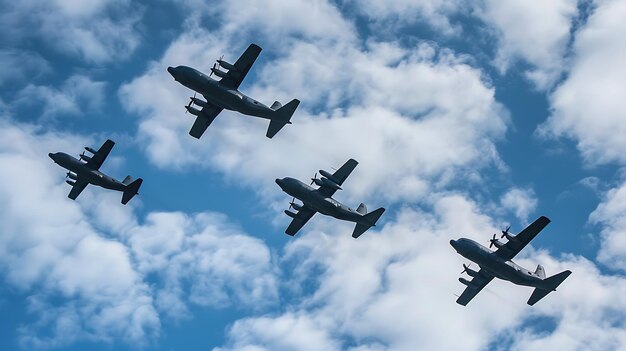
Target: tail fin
(369,220)
(281,117)
(131,190)
(551,283)
(362,209)
(276,105)
(127,180)
(540,272)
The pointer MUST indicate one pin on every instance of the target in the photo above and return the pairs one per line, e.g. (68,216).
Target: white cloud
(520,201)
(77,95)
(393,290)
(20,64)
(536,32)
(96,30)
(91,271)
(588,106)
(409,115)
(611,215)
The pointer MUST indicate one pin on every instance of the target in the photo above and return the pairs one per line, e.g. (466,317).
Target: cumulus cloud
(440,124)
(20,64)
(96,30)
(588,106)
(394,289)
(519,201)
(92,271)
(75,96)
(535,32)
(611,215)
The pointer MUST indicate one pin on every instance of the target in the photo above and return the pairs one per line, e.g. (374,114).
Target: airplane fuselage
(314,200)
(219,95)
(499,267)
(85,173)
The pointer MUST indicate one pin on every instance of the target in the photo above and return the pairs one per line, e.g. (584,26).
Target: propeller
(313,179)
(190,102)
(67,175)
(492,241)
(465,268)
(291,203)
(505,232)
(216,65)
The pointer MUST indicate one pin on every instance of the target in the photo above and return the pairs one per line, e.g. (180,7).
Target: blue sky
(464,118)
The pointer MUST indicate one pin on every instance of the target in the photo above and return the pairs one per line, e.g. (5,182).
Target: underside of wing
(336,179)
(95,161)
(474,286)
(204,120)
(518,242)
(77,188)
(240,69)
(299,221)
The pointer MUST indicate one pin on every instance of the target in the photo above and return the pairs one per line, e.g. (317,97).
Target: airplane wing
(203,120)
(77,188)
(515,245)
(299,221)
(339,177)
(478,283)
(235,76)
(98,158)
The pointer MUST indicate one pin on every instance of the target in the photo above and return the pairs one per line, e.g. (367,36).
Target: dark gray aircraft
(84,173)
(223,94)
(498,264)
(320,200)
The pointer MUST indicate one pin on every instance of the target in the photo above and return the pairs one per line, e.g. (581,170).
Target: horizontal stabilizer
(281,117)
(551,283)
(369,220)
(131,190)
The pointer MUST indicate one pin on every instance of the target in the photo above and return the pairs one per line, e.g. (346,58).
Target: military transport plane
(223,94)
(84,173)
(320,200)
(498,264)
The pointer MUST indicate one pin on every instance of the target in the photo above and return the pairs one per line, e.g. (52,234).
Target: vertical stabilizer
(540,272)
(362,209)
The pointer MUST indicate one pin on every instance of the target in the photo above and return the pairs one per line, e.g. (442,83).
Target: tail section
(540,272)
(281,117)
(362,209)
(131,190)
(276,105)
(127,180)
(369,220)
(551,283)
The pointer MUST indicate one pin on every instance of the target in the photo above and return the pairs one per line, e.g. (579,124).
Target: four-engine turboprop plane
(498,264)
(320,200)
(223,94)
(84,173)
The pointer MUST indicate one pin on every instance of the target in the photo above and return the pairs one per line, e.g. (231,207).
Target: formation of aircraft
(320,200)
(223,94)
(84,170)
(498,264)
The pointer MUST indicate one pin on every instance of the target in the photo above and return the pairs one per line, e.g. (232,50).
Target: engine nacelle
(508,236)
(326,182)
(85,157)
(72,175)
(193,110)
(70,182)
(219,73)
(296,206)
(497,243)
(199,102)
(290,214)
(471,272)
(90,150)
(226,65)
(328,175)
(467,282)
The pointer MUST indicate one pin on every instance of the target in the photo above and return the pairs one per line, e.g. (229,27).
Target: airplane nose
(279,182)
(171,70)
(453,243)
